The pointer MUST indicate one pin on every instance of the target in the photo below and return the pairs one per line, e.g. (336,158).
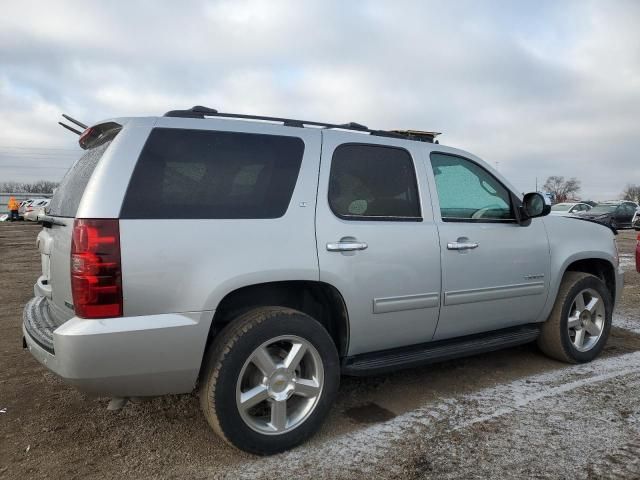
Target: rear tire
(269,380)
(578,327)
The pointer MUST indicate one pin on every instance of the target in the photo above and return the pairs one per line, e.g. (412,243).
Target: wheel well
(600,268)
(319,300)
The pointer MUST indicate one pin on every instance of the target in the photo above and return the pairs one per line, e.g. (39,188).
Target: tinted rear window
(67,196)
(209,174)
(373,182)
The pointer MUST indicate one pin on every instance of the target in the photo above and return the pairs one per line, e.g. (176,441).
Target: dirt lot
(508,414)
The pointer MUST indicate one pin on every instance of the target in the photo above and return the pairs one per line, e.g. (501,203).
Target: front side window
(467,192)
(373,182)
(203,174)
(603,208)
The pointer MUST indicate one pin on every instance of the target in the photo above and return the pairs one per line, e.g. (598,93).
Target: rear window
(215,175)
(67,196)
(373,182)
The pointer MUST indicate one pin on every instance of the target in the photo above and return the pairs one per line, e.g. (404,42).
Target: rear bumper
(121,357)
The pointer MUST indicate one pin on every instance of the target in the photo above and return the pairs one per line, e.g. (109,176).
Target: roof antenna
(73,120)
(76,122)
(77,132)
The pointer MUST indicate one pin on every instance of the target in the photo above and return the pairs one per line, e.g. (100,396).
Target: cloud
(540,88)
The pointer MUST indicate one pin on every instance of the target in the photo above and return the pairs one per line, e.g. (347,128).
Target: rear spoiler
(92,136)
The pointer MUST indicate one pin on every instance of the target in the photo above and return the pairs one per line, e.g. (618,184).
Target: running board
(423,354)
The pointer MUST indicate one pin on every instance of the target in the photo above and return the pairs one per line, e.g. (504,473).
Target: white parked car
(36,208)
(569,208)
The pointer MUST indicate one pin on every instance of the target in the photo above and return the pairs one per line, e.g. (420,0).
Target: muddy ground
(509,414)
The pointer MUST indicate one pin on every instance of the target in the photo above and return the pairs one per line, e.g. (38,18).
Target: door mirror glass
(535,204)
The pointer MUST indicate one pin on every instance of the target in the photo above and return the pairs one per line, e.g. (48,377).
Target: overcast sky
(538,88)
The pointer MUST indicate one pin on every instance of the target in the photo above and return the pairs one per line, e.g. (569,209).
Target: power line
(41,167)
(31,155)
(39,148)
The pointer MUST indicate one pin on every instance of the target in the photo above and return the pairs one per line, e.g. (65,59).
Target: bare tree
(41,186)
(631,192)
(560,189)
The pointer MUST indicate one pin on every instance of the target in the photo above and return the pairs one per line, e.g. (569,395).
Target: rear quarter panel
(189,265)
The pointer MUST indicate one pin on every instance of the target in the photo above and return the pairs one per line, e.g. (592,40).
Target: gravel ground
(507,414)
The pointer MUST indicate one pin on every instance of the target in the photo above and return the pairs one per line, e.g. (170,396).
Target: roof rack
(202,112)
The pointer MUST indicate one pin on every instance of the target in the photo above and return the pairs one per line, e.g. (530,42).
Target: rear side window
(372,182)
(217,175)
(67,196)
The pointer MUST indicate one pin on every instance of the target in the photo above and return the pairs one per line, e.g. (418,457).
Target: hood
(592,215)
(599,219)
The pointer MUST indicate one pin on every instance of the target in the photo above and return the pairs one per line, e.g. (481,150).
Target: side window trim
(377,218)
(514,200)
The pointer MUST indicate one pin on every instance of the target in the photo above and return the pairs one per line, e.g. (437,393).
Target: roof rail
(202,112)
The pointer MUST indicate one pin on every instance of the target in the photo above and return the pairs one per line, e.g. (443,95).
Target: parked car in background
(23,207)
(569,208)
(638,254)
(615,213)
(36,208)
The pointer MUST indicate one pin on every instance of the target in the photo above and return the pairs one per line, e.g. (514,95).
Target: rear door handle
(346,246)
(461,245)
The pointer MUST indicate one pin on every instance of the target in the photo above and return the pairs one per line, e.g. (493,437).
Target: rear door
(627,211)
(495,272)
(376,239)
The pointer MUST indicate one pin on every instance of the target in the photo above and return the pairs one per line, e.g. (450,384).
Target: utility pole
(536,185)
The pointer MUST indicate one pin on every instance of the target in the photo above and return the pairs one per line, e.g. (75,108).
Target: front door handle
(461,245)
(350,246)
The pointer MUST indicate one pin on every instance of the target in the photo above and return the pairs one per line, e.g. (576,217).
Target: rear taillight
(96,274)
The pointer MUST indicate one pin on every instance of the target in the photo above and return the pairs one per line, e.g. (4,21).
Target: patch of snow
(627,261)
(363,450)
(627,322)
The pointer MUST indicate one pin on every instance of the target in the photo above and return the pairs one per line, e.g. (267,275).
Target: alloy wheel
(586,320)
(280,385)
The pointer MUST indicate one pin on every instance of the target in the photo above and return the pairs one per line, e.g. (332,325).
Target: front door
(377,241)
(495,272)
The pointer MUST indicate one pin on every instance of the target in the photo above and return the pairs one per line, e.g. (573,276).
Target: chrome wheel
(280,385)
(586,320)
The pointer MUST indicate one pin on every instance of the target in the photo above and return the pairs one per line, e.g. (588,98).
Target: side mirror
(534,205)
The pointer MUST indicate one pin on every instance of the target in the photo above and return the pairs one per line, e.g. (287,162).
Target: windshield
(603,208)
(561,207)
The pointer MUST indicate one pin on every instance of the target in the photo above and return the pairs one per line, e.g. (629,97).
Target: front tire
(270,379)
(578,327)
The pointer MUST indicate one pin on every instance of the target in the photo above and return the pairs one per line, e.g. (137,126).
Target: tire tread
(221,347)
(550,339)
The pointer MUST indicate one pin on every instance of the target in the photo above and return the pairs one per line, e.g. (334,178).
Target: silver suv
(260,258)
